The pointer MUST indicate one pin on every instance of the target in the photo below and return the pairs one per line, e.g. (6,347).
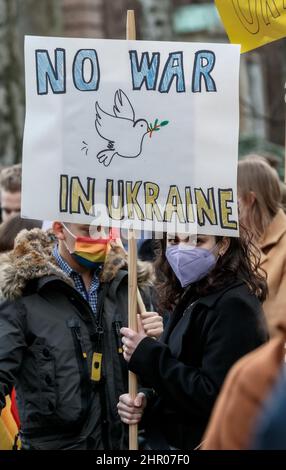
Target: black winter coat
(43,339)
(47,341)
(187,368)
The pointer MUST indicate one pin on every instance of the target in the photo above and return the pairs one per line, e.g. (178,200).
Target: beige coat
(273,261)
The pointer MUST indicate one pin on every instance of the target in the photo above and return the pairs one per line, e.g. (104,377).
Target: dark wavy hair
(239,263)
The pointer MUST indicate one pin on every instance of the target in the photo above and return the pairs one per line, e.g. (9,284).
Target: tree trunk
(19,17)
(11,86)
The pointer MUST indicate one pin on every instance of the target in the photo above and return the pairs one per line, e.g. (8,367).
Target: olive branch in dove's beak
(156,126)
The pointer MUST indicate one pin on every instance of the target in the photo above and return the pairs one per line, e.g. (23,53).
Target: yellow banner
(253,23)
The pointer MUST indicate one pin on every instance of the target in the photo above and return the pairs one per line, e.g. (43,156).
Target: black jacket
(43,338)
(47,341)
(187,368)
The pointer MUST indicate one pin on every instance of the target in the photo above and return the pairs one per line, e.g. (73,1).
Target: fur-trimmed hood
(32,258)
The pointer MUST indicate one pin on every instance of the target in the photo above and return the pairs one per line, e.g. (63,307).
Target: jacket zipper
(117,326)
(83,370)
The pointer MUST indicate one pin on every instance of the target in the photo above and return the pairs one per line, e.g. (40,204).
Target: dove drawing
(121,130)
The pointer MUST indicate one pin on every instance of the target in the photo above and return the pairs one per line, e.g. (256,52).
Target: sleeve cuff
(145,359)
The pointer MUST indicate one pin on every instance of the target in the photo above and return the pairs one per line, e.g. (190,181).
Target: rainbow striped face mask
(90,252)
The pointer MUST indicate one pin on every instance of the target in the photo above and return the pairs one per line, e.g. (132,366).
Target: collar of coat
(32,259)
(275,230)
(211,299)
(208,301)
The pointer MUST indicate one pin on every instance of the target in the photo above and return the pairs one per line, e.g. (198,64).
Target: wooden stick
(130,26)
(132,323)
(132,274)
(141,305)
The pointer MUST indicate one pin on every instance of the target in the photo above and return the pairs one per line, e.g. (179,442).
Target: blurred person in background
(9,421)
(10,229)
(215,292)
(260,210)
(283,195)
(270,431)
(10,191)
(274,162)
(249,411)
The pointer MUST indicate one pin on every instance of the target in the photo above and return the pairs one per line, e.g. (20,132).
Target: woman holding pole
(215,290)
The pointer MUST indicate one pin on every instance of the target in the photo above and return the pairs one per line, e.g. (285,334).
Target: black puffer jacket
(47,342)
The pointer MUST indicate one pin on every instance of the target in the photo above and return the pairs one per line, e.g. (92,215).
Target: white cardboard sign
(134,133)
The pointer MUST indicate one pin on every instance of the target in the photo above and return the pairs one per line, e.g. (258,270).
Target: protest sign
(253,23)
(139,133)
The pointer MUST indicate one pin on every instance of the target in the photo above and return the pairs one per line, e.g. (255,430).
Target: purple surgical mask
(190,264)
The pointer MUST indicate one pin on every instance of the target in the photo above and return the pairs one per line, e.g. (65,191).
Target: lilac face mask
(190,264)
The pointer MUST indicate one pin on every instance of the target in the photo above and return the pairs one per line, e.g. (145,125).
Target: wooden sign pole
(132,273)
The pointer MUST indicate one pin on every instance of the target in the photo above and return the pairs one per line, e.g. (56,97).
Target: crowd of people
(208,352)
